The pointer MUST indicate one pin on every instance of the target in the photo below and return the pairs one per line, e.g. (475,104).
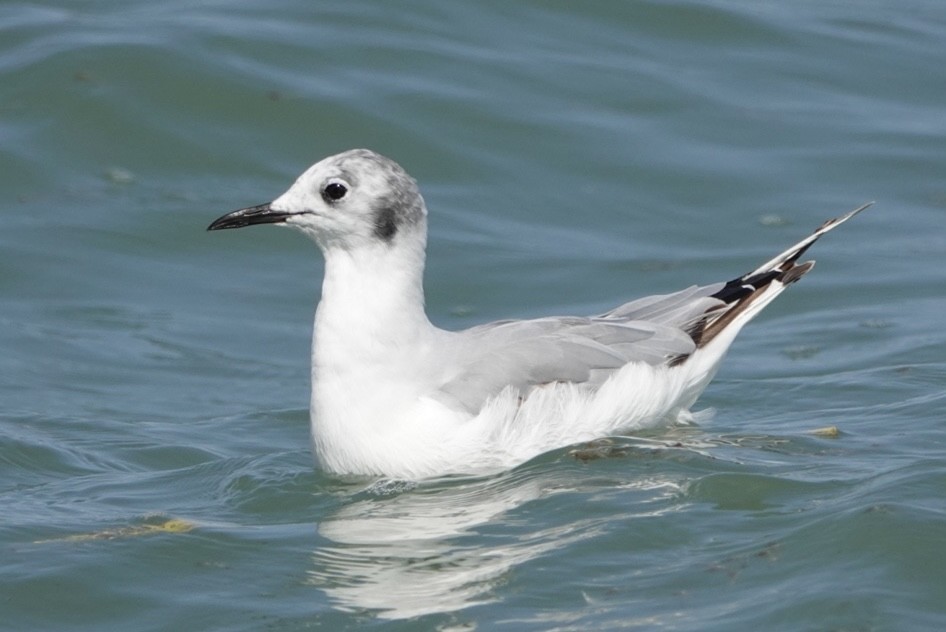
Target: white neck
(370,328)
(372,303)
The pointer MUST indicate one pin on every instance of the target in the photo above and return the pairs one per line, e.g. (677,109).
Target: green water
(154,464)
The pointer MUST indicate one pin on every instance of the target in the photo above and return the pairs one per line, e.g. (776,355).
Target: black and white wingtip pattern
(792,254)
(764,283)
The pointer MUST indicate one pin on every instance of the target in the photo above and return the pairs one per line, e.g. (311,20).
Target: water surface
(154,452)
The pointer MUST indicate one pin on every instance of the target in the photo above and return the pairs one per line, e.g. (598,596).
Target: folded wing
(658,330)
(528,353)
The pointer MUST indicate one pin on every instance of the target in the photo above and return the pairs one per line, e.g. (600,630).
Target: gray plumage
(524,354)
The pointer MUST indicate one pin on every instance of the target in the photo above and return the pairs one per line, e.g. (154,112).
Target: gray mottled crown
(399,205)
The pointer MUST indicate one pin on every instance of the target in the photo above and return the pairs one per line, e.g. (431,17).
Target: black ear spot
(385,223)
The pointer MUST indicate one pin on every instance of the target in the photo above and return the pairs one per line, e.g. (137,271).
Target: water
(154,378)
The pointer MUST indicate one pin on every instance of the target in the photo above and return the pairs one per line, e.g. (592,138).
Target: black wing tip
(737,294)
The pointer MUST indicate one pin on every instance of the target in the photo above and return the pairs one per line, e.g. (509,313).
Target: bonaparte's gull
(393,395)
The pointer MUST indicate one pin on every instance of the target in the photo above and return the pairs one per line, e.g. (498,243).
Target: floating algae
(172,525)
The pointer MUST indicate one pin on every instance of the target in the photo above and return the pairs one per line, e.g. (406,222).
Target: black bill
(261,214)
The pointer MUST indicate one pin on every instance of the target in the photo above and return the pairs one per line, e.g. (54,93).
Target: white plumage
(392,395)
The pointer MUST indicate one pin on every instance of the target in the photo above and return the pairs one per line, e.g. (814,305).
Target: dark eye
(334,191)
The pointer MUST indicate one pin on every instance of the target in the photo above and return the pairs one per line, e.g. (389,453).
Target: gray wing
(662,329)
(679,308)
(527,353)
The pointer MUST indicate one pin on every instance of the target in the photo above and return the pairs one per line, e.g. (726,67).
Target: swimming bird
(395,396)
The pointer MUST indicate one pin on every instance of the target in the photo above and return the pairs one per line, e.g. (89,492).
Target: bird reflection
(444,546)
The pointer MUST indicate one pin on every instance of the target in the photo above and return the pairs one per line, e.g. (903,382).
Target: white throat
(370,329)
(372,302)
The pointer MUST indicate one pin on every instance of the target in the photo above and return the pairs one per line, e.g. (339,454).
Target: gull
(395,396)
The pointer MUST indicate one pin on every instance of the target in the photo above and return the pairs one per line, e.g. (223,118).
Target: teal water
(155,472)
